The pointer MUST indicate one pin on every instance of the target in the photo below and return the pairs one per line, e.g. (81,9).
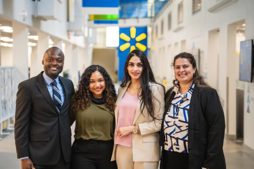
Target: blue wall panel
(100,3)
(122,55)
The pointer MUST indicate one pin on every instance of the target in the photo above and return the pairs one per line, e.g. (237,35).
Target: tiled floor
(238,156)
(8,153)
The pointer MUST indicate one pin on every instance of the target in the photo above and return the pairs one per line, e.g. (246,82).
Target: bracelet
(135,129)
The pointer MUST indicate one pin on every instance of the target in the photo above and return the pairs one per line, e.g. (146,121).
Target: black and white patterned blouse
(176,122)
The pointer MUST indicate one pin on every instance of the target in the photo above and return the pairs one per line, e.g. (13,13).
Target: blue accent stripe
(100,3)
(132,1)
(105,22)
(185,113)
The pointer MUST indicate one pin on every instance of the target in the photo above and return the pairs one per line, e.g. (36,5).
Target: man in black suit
(42,128)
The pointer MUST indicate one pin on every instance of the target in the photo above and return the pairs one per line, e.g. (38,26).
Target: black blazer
(41,132)
(206,129)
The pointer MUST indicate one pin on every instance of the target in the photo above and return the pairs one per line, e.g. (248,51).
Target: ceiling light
(7,29)
(33,37)
(32,44)
(6,39)
(6,44)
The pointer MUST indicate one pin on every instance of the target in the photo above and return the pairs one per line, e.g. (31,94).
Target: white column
(60,44)
(68,59)
(230,64)
(36,60)
(74,66)
(82,60)
(88,52)
(20,50)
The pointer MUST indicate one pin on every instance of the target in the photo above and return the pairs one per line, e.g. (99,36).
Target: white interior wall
(74,66)
(1,6)
(83,59)
(249,87)
(213,54)
(23,10)
(231,80)
(100,34)
(58,27)
(68,59)
(20,50)
(6,56)
(195,31)
(249,114)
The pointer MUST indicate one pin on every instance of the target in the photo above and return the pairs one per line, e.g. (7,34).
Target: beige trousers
(124,160)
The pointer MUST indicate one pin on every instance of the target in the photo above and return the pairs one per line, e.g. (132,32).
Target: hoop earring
(176,83)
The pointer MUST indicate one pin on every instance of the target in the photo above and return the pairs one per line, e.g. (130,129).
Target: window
(196,6)
(180,13)
(169,21)
(162,26)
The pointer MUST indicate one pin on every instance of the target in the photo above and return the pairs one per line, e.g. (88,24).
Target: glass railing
(8,89)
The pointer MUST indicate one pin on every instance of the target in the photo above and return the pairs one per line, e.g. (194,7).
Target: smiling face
(53,64)
(184,71)
(97,84)
(135,68)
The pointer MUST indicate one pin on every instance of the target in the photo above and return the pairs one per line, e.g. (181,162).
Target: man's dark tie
(56,96)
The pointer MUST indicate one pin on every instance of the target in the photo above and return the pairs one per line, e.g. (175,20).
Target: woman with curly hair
(138,113)
(93,111)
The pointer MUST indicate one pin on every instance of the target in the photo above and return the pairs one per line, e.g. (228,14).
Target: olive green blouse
(95,123)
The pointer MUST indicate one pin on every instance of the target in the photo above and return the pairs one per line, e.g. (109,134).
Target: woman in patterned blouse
(193,124)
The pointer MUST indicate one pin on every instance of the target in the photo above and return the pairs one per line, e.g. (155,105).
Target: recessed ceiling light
(6,39)
(7,29)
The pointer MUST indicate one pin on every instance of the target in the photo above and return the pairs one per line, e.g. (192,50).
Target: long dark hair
(146,77)
(82,97)
(197,79)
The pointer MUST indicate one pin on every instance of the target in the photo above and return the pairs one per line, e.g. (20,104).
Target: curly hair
(82,97)
(146,77)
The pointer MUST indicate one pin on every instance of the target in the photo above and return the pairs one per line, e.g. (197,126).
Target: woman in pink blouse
(138,113)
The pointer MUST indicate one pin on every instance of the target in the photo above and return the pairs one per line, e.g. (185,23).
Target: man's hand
(26,164)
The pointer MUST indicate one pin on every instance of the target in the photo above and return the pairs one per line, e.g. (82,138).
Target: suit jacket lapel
(42,87)
(193,106)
